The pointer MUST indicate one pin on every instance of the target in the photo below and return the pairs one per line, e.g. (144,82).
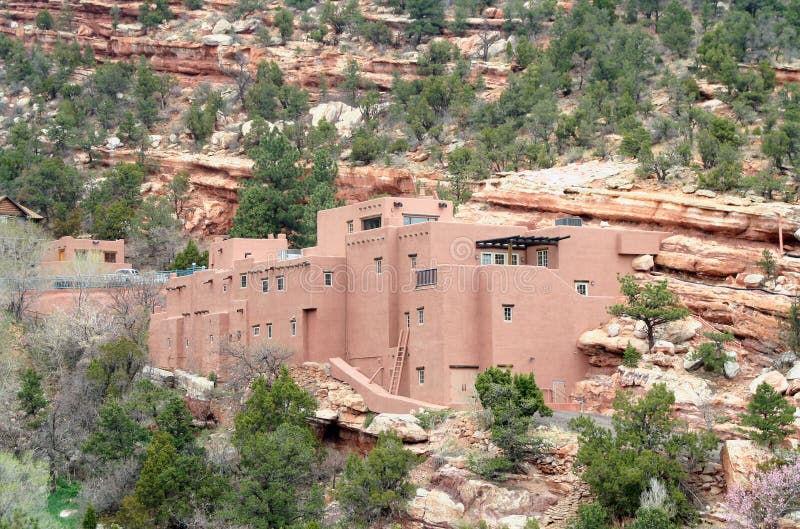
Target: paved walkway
(562,418)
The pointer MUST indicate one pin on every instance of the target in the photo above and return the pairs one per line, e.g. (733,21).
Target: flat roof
(519,242)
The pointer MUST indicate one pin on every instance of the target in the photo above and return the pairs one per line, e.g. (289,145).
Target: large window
(498,258)
(281,283)
(426,278)
(265,285)
(582,288)
(371,224)
(543,257)
(418,219)
(486,258)
(243,279)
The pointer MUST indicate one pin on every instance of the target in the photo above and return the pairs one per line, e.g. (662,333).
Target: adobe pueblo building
(406,304)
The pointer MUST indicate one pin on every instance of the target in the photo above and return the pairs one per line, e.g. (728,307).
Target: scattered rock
(640,330)
(247,126)
(689,188)
(707,193)
(663,347)
(435,507)
(613,330)
(354,401)
(155,140)
(793,388)
(130,30)
(217,40)
(692,361)
(753,280)
(405,426)
(687,389)
(247,25)
(326,414)
(643,263)
(794,372)
(740,458)
(596,340)
(731,367)
(112,142)
(679,331)
(221,27)
(773,378)
(786,359)
(341,115)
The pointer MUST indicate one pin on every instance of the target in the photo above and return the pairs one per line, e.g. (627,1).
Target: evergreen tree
(675,28)
(630,356)
(190,256)
(770,414)
(284,21)
(377,486)
(321,195)
(176,420)
(652,303)
(31,395)
(427,18)
(117,435)
(89,518)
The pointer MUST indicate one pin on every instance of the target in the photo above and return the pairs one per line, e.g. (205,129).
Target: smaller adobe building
(405,303)
(70,256)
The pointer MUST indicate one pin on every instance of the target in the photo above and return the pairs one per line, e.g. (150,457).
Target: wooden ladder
(399,360)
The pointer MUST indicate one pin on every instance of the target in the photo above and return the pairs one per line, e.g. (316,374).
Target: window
(421,316)
(256,330)
(408,319)
(417,219)
(508,312)
(514,259)
(169,343)
(210,338)
(413,258)
(265,285)
(582,288)
(293,327)
(281,285)
(327,278)
(378,265)
(187,343)
(349,226)
(486,258)
(542,257)
(269,330)
(109,257)
(427,278)
(421,375)
(224,287)
(243,278)
(499,258)
(371,224)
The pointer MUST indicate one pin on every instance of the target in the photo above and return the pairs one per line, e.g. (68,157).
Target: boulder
(497,48)
(773,378)
(786,359)
(405,426)
(344,117)
(663,347)
(326,414)
(640,330)
(794,372)
(217,40)
(753,280)
(705,193)
(740,458)
(692,361)
(247,126)
(793,388)
(678,331)
(643,263)
(130,30)
(597,340)
(248,25)
(688,389)
(730,368)
(221,27)
(155,140)
(613,330)
(112,142)
(352,401)
(435,507)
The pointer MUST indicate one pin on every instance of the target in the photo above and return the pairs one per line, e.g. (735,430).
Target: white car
(127,272)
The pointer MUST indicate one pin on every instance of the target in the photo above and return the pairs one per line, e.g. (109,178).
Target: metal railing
(285,255)
(92,281)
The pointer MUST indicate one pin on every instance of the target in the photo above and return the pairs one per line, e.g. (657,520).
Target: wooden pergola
(518,242)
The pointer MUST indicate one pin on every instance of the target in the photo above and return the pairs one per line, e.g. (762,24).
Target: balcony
(427,278)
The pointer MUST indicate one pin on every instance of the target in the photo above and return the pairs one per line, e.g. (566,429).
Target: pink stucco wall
(360,316)
(70,256)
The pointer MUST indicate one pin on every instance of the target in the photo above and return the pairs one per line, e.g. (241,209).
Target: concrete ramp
(377,398)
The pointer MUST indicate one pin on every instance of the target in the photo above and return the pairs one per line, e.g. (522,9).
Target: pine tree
(770,415)
(189,257)
(630,356)
(31,395)
(89,518)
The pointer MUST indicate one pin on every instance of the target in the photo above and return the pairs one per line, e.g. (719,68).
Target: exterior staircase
(399,360)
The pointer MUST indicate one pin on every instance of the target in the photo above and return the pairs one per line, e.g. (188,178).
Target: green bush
(431,419)
(713,353)
(631,356)
(192,4)
(492,468)
(590,516)
(367,145)
(44,20)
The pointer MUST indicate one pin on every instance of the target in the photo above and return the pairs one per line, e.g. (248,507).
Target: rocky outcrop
(435,507)
(405,426)
(773,378)
(740,458)
(604,350)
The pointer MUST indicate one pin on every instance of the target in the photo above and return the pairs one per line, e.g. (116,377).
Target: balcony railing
(285,255)
(427,278)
